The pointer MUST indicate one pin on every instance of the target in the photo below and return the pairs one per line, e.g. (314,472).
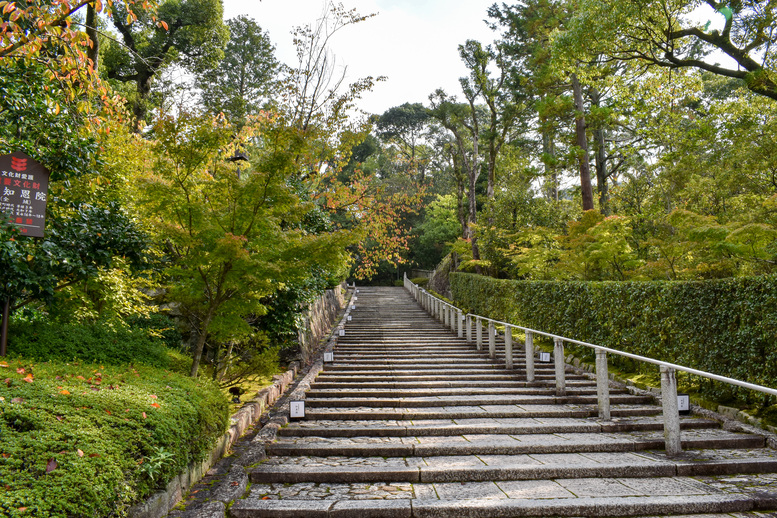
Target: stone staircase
(411,421)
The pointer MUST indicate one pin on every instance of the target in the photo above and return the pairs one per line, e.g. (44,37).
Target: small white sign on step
(353,306)
(357,291)
(544,357)
(329,356)
(342,332)
(349,318)
(296,409)
(356,298)
(683,404)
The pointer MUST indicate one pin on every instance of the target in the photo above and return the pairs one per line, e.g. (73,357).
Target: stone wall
(160,503)
(318,321)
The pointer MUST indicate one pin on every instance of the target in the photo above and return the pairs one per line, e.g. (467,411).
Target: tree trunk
(582,142)
(549,149)
(600,159)
(92,52)
(201,338)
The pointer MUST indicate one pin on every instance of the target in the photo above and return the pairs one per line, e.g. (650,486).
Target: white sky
(412,42)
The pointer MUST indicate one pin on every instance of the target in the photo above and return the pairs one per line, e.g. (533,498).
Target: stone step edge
(413,403)
(446,430)
(383,415)
(323,449)
(288,474)
(581,506)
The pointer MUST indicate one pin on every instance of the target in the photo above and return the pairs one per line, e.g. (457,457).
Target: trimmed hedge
(95,343)
(727,327)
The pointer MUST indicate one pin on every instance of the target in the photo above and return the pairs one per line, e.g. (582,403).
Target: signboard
(24,187)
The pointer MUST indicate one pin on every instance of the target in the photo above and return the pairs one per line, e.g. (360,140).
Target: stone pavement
(411,421)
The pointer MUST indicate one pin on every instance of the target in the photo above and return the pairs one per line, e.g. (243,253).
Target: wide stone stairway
(411,421)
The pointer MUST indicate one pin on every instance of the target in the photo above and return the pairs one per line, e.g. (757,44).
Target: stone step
(350,384)
(317,393)
(503,444)
(448,427)
(495,467)
(412,421)
(497,500)
(472,400)
(443,373)
(475,412)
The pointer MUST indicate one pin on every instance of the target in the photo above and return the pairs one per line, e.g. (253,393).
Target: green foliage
(96,343)
(243,80)
(89,440)
(726,326)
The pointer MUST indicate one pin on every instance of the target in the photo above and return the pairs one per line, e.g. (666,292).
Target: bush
(84,440)
(726,327)
(421,281)
(95,343)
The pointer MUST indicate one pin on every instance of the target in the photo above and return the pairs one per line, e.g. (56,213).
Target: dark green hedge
(727,327)
(97,343)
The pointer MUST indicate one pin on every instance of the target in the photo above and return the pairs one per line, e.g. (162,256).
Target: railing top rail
(682,368)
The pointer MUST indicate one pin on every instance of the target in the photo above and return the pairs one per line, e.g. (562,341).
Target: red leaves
(51,465)
(156,405)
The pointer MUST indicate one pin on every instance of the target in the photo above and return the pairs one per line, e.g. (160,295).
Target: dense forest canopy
(593,139)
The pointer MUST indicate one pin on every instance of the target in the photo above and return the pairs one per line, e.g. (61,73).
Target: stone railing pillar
(602,384)
(508,347)
(469,329)
(460,323)
(491,340)
(671,414)
(478,334)
(558,356)
(529,356)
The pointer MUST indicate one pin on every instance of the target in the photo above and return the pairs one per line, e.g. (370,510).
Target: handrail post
(558,356)
(529,356)
(446,314)
(491,340)
(508,347)
(602,384)
(479,333)
(469,329)
(453,318)
(671,414)
(460,323)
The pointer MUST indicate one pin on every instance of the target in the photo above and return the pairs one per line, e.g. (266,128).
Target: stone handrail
(454,317)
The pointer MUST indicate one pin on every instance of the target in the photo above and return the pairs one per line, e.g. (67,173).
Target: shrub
(726,326)
(84,440)
(96,343)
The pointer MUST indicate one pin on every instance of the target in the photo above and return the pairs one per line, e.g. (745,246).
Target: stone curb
(280,413)
(161,503)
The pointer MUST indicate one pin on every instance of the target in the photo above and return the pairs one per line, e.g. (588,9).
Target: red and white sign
(24,187)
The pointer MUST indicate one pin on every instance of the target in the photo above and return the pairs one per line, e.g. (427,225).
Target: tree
(230,239)
(501,106)
(663,33)
(458,119)
(243,80)
(406,125)
(190,33)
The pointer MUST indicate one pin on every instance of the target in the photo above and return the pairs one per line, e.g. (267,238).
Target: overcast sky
(412,42)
